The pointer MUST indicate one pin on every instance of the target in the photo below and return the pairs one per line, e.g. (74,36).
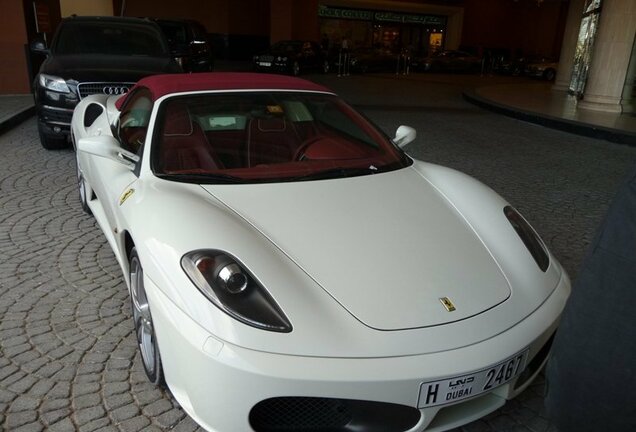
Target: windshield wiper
(202,178)
(337,173)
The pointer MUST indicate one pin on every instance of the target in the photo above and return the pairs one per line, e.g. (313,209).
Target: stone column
(570,36)
(454,29)
(610,56)
(629,91)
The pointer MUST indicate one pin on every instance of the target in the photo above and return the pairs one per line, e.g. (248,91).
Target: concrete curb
(16,118)
(609,134)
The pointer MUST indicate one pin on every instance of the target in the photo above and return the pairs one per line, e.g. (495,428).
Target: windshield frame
(289,171)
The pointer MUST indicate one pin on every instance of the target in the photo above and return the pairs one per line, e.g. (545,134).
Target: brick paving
(68,358)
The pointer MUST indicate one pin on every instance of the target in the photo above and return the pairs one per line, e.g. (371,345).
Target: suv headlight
(231,288)
(54,83)
(529,237)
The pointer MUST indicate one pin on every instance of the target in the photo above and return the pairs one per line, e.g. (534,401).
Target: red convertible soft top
(160,85)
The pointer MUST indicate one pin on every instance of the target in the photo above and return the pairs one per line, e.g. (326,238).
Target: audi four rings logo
(115,90)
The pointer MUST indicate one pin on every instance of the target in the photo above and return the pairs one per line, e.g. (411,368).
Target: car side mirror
(39,46)
(107,147)
(404,135)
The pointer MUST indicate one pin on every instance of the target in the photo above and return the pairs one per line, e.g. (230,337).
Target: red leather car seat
(270,140)
(184,146)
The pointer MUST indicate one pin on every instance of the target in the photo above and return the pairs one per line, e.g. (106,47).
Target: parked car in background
(373,60)
(189,44)
(448,61)
(292,57)
(509,66)
(543,68)
(90,55)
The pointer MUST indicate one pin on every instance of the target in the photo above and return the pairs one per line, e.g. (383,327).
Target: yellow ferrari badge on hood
(126,195)
(448,304)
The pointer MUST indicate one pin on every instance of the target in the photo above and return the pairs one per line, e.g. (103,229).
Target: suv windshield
(110,38)
(267,137)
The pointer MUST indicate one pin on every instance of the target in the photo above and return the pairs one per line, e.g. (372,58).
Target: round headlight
(232,288)
(231,278)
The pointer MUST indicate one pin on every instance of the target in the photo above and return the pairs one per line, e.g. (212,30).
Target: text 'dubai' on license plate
(454,389)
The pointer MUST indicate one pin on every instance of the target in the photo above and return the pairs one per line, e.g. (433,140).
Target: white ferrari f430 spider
(290,268)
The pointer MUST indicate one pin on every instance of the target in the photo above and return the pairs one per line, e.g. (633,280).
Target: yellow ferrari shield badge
(126,195)
(448,304)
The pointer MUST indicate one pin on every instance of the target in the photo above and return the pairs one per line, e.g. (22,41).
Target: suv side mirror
(39,46)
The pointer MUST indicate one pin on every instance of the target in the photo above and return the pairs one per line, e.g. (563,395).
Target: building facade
(603,65)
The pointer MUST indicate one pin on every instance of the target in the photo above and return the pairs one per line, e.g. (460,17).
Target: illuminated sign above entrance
(410,18)
(367,15)
(355,14)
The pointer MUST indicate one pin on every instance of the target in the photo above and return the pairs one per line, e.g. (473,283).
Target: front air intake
(311,414)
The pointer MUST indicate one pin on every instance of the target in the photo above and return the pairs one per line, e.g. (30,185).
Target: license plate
(265,64)
(450,390)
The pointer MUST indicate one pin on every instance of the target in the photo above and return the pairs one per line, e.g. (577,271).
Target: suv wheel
(549,74)
(51,143)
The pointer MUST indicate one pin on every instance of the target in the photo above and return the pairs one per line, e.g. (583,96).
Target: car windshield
(287,46)
(176,32)
(251,137)
(109,38)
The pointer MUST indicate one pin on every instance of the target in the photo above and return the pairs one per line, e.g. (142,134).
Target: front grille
(107,88)
(312,414)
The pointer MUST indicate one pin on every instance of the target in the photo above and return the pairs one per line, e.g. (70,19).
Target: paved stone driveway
(68,359)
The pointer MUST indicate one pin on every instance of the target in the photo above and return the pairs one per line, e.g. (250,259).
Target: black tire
(144,326)
(51,143)
(549,74)
(83,192)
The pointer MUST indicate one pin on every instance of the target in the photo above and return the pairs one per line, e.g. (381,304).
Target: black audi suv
(90,55)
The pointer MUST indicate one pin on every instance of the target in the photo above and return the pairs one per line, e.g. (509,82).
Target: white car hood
(387,247)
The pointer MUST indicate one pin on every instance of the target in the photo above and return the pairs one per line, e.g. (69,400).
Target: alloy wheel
(144,327)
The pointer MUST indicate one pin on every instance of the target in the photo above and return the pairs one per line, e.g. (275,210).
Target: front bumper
(55,110)
(55,120)
(219,384)
(272,66)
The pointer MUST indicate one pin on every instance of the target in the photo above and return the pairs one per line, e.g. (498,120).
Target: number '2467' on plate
(449,390)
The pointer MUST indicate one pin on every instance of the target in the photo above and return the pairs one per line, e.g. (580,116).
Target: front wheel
(144,326)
